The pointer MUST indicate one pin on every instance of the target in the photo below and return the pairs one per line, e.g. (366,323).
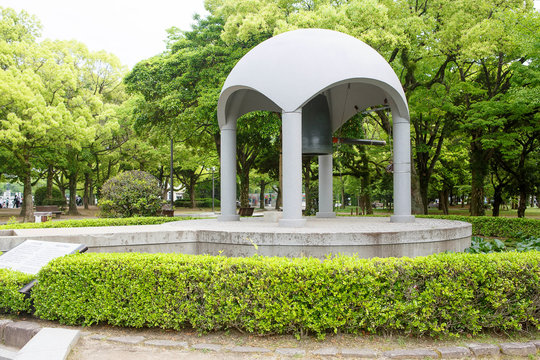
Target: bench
(246,211)
(54,209)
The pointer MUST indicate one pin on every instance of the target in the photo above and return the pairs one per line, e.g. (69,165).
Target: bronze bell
(316,127)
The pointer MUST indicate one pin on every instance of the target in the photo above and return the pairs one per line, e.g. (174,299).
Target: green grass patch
(438,295)
(96,222)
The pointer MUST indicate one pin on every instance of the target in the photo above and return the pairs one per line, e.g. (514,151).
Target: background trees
(75,118)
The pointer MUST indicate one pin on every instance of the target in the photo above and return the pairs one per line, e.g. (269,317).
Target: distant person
(17,202)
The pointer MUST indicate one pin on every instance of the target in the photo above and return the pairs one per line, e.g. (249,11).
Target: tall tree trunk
(479,171)
(365,183)
(50,174)
(522,203)
(73,194)
(443,201)
(262,185)
(278,198)
(423,183)
(306,170)
(497,200)
(27,211)
(192,195)
(86,196)
(244,187)
(416,197)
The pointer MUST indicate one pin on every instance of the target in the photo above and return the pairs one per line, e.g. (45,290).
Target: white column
(325,187)
(292,169)
(402,170)
(228,173)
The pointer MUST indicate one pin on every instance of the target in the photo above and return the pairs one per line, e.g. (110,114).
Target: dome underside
(283,73)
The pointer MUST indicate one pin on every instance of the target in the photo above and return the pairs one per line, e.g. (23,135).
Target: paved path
(105,342)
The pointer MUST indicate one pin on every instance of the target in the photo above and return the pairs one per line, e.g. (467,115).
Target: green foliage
(11,300)
(131,193)
(528,244)
(200,203)
(155,220)
(57,198)
(482,246)
(496,226)
(444,294)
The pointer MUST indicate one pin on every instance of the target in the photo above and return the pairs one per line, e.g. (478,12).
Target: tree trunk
(244,187)
(278,198)
(306,170)
(423,183)
(416,197)
(443,201)
(522,204)
(73,194)
(479,171)
(27,211)
(192,195)
(262,185)
(50,174)
(497,200)
(86,196)
(365,183)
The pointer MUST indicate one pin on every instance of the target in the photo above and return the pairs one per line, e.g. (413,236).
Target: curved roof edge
(286,71)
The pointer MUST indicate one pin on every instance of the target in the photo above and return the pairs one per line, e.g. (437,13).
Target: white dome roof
(285,72)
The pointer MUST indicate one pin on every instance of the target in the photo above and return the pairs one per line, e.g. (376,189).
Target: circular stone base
(365,236)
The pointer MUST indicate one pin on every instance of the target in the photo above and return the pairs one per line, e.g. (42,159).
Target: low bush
(96,222)
(11,300)
(131,193)
(200,203)
(57,197)
(496,226)
(444,294)
(484,246)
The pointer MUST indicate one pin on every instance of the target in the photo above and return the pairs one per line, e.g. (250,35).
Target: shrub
(11,300)
(496,226)
(130,193)
(200,203)
(57,197)
(437,295)
(96,222)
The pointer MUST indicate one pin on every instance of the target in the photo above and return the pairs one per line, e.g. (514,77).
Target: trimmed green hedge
(496,226)
(444,294)
(200,203)
(11,301)
(97,222)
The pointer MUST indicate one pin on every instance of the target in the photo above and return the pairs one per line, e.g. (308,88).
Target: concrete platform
(365,236)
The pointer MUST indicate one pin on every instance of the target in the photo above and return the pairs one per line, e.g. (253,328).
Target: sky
(133,30)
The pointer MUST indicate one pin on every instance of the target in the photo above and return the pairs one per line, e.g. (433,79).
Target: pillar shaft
(292,169)
(228,173)
(325,187)
(402,170)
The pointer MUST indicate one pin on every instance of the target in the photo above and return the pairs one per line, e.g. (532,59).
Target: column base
(292,223)
(402,218)
(323,214)
(228,218)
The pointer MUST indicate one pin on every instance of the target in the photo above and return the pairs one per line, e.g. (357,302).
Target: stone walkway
(105,342)
(96,346)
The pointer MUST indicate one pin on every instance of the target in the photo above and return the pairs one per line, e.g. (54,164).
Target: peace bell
(316,127)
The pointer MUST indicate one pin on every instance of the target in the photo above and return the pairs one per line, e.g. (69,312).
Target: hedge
(11,301)
(96,222)
(496,226)
(200,203)
(443,294)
